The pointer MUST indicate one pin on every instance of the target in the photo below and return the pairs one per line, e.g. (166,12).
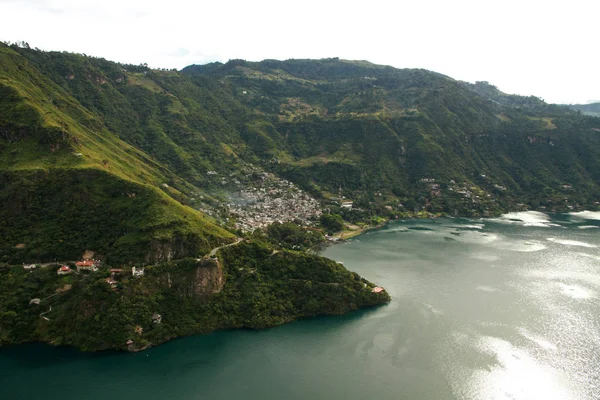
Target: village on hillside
(272,199)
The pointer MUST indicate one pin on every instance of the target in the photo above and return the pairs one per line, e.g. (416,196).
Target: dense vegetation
(261,289)
(68,185)
(328,123)
(118,159)
(379,130)
(291,236)
(122,221)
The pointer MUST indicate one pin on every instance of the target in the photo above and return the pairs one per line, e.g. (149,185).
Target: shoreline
(345,235)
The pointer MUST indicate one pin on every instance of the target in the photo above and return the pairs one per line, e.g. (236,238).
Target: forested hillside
(69,184)
(375,129)
(406,140)
(136,166)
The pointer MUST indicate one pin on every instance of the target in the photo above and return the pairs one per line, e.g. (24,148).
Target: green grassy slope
(372,129)
(321,123)
(180,122)
(101,156)
(95,156)
(369,128)
(68,184)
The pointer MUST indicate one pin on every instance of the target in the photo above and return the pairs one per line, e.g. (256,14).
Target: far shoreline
(345,235)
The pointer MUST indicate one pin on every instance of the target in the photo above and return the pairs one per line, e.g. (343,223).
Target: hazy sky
(545,48)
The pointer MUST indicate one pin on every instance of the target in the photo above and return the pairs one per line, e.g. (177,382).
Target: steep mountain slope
(118,159)
(68,184)
(109,167)
(374,129)
(188,125)
(409,139)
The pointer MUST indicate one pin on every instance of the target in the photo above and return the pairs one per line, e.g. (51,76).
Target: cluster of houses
(115,273)
(91,266)
(473,194)
(270,200)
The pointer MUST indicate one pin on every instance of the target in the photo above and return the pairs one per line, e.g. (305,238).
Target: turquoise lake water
(505,308)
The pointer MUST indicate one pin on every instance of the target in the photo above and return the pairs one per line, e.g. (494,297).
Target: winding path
(213,252)
(46,312)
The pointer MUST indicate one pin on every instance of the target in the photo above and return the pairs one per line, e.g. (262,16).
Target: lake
(504,308)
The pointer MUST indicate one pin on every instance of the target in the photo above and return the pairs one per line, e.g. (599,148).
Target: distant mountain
(491,92)
(592,109)
(116,162)
(379,130)
(141,166)
(382,135)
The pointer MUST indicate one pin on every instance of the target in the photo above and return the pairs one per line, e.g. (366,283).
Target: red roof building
(85,263)
(64,270)
(90,265)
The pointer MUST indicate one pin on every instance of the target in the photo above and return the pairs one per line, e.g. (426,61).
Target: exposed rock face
(209,278)
(162,250)
(178,247)
(202,279)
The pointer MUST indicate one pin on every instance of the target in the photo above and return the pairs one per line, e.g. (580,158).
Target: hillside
(592,109)
(69,185)
(380,130)
(247,287)
(144,166)
(375,131)
(89,171)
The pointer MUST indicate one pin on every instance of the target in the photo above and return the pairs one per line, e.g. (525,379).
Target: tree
(332,222)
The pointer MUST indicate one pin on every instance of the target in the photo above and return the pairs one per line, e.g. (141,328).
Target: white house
(137,271)
(347,204)
(29,266)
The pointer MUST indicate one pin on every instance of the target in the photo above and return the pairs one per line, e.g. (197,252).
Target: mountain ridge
(85,171)
(592,109)
(160,167)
